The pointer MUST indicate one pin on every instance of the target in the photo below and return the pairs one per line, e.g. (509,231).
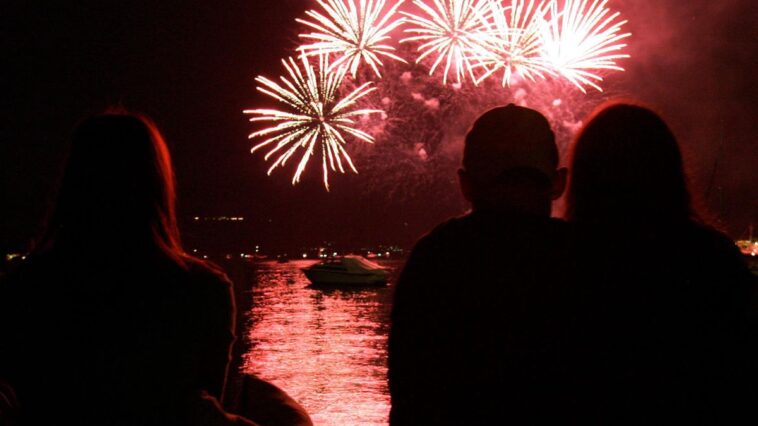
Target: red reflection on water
(326,348)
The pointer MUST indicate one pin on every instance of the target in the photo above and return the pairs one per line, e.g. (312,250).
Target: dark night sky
(191,64)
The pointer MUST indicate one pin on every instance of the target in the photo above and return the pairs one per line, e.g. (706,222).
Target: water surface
(326,347)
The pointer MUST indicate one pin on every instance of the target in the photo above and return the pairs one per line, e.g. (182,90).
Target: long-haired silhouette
(627,167)
(118,188)
(666,313)
(109,322)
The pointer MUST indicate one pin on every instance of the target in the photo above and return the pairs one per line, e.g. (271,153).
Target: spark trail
(582,38)
(354,33)
(514,41)
(450,31)
(312,117)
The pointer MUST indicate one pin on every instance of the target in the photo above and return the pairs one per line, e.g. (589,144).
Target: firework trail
(563,44)
(314,116)
(353,33)
(582,38)
(514,41)
(452,30)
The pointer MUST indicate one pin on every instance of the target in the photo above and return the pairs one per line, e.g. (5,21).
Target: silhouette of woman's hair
(117,190)
(627,169)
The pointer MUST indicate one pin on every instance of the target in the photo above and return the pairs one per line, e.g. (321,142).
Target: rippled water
(326,347)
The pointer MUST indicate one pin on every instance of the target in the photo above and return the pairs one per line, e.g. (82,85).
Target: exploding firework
(452,30)
(513,40)
(422,116)
(315,117)
(353,33)
(581,39)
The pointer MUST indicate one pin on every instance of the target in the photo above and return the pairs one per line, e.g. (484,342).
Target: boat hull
(320,277)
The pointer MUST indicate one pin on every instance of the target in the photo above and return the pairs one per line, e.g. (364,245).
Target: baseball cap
(507,138)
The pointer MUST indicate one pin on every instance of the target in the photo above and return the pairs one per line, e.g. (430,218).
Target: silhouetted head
(627,170)
(117,191)
(510,161)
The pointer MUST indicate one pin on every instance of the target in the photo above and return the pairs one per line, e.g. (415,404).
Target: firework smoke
(529,52)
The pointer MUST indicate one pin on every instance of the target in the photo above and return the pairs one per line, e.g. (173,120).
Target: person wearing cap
(478,321)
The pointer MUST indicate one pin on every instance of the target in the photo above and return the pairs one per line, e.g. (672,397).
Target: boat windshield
(360,262)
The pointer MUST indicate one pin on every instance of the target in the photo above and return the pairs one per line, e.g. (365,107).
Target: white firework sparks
(354,33)
(583,38)
(514,41)
(452,30)
(313,116)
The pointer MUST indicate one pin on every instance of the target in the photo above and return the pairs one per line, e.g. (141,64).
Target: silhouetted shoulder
(461,336)
(719,256)
(711,239)
(439,233)
(208,273)
(702,247)
(199,271)
(29,268)
(486,227)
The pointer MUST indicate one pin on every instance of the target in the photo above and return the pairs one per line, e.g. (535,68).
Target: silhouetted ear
(465,181)
(559,183)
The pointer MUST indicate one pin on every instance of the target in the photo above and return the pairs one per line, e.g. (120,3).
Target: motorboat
(347,270)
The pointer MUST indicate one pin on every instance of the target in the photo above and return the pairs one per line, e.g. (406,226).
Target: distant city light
(219,218)
(748,247)
(9,257)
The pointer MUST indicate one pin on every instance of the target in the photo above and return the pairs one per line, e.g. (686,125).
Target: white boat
(347,270)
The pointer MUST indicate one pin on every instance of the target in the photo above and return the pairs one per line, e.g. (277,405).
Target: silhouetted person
(109,321)
(477,319)
(667,297)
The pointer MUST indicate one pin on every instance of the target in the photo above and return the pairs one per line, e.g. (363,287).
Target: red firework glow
(512,41)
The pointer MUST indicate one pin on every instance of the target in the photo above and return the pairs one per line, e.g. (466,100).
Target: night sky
(190,65)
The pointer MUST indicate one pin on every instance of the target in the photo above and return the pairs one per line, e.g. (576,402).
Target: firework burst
(581,39)
(513,40)
(574,41)
(314,116)
(355,34)
(452,30)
